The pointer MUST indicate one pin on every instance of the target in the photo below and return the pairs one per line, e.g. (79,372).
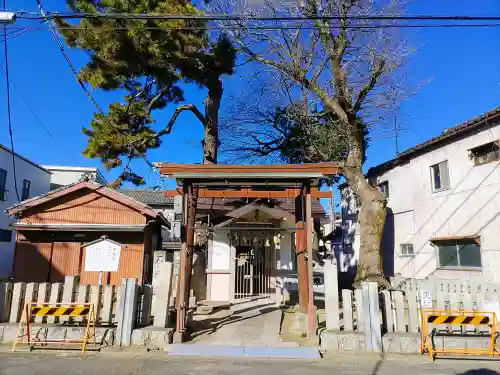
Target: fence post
(43,292)
(358,299)
(400,311)
(388,312)
(126,311)
(147,299)
(331,295)
(163,293)
(7,287)
(4,308)
(17,302)
(107,304)
(55,293)
(68,292)
(95,299)
(371,315)
(347,307)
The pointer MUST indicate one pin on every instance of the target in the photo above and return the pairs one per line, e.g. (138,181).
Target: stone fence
(118,309)
(371,320)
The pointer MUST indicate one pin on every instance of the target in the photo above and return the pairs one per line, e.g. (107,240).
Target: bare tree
(350,66)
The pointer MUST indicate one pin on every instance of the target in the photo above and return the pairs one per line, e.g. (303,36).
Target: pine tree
(148,60)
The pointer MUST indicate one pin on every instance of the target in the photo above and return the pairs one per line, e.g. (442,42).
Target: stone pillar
(16,307)
(95,299)
(199,281)
(371,317)
(107,304)
(332,309)
(126,311)
(43,291)
(147,297)
(5,300)
(68,291)
(163,291)
(55,293)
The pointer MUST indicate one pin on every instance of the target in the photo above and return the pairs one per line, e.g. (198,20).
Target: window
(460,253)
(3,182)
(26,189)
(5,235)
(440,176)
(486,153)
(406,249)
(384,188)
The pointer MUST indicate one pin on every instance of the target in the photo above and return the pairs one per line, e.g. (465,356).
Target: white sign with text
(103,256)
(425,300)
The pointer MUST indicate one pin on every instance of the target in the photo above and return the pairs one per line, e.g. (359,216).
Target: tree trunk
(212,106)
(371,219)
(210,150)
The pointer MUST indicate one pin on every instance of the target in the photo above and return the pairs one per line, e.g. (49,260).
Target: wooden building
(53,228)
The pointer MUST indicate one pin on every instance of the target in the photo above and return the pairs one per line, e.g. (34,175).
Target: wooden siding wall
(51,262)
(83,207)
(49,256)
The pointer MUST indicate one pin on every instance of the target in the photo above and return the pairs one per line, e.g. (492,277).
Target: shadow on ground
(208,325)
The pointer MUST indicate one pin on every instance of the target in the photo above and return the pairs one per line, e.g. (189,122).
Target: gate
(252,274)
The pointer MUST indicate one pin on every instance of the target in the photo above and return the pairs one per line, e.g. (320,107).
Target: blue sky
(462,64)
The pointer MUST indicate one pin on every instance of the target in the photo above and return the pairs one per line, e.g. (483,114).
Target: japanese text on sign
(103,256)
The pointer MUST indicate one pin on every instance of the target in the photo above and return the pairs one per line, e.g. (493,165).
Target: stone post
(95,299)
(17,302)
(371,315)
(332,309)
(147,297)
(126,311)
(43,295)
(5,300)
(55,293)
(162,298)
(68,292)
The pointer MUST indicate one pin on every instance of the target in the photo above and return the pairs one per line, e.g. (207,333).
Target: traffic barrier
(459,318)
(32,310)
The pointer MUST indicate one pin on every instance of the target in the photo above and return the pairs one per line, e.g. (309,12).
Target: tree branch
(376,73)
(156,97)
(185,107)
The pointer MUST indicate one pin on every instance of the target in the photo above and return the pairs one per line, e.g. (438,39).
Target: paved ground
(248,323)
(159,363)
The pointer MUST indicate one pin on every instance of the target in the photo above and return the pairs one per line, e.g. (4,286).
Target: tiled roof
(151,197)
(446,136)
(68,189)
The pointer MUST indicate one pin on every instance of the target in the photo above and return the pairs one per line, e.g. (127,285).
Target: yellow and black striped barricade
(431,317)
(32,310)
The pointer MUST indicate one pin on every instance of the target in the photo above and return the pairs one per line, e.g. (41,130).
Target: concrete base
(152,338)
(105,336)
(399,343)
(178,337)
(204,350)
(340,341)
(299,324)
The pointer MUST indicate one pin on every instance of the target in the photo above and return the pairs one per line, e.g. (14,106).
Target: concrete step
(251,351)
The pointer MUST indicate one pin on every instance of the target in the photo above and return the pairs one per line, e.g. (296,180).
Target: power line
(21,30)
(287,27)
(8,108)
(82,85)
(245,17)
(39,120)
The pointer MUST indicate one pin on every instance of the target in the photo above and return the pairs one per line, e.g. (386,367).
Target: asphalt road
(56,363)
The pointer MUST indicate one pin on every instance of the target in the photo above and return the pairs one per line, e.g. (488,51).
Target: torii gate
(294,181)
